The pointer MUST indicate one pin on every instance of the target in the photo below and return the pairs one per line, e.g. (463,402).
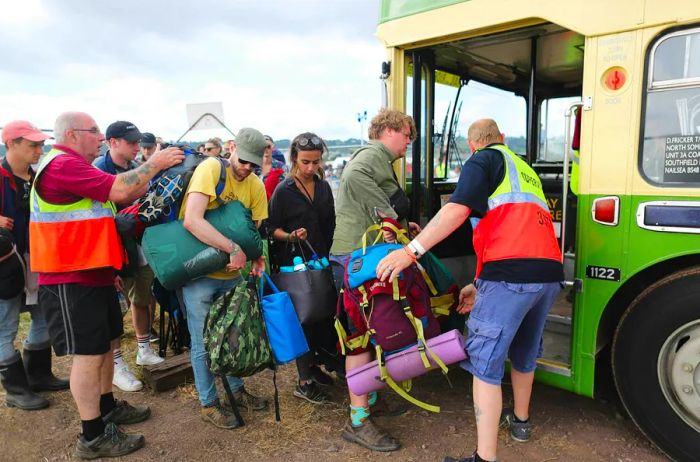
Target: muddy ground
(567,427)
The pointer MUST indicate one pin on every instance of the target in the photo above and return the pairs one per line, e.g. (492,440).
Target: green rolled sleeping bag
(177,257)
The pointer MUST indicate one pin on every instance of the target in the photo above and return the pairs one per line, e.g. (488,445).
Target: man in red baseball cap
(21,377)
(22,129)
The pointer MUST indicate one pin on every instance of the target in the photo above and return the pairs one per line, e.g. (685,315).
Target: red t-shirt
(67,179)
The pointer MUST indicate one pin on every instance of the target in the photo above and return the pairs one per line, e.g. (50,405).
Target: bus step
(554,367)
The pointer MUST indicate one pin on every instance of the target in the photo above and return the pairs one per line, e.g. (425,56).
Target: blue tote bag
(283,328)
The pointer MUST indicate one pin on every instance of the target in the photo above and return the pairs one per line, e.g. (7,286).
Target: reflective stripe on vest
(518,223)
(72,237)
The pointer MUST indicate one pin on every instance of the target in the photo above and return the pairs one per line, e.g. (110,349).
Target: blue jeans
(199,295)
(37,338)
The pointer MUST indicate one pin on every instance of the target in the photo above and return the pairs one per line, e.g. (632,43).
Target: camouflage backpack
(234,333)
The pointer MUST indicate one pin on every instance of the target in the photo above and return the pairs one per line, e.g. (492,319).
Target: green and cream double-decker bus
(603,99)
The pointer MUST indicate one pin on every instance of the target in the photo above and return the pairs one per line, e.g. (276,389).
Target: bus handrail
(565,186)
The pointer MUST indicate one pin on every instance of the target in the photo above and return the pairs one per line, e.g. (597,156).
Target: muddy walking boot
(111,443)
(370,436)
(18,393)
(37,364)
(249,401)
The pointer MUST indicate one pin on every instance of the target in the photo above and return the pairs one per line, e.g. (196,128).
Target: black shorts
(82,320)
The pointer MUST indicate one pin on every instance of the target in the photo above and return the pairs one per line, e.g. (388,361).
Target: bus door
(526,79)
(437,155)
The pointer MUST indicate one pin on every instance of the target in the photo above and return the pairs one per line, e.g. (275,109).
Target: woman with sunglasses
(302,208)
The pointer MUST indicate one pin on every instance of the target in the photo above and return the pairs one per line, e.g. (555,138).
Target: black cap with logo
(124,130)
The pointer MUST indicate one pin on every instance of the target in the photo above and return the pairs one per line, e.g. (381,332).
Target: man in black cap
(148,146)
(123,140)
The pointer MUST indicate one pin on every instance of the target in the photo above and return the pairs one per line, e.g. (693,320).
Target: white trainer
(146,357)
(125,380)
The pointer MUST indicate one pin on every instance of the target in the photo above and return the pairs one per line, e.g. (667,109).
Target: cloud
(283,66)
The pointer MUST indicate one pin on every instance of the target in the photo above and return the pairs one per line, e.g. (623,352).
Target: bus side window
(670,144)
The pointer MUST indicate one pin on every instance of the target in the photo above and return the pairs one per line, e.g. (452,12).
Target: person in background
(272,171)
(302,209)
(148,146)
(519,274)
(21,376)
(136,279)
(276,153)
(75,247)
(228,148)
(213,147)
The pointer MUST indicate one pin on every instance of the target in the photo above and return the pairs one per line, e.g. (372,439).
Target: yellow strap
(437,360)
(352,344)
(440,311)
(385,377)
(418,327)
(342,335)
(428,281)
(365,301)
(422,344)
(376,239)
(395,288)
(401,234)
(358,342)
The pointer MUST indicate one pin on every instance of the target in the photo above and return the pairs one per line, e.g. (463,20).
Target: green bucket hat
(250,145)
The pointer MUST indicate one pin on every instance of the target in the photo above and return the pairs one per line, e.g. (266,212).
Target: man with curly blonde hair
(369,187)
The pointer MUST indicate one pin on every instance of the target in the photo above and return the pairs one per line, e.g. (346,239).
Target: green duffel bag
(177,257)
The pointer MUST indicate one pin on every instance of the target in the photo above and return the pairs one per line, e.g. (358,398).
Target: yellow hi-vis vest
(71,237)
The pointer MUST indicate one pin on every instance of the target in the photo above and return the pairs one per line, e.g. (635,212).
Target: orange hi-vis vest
(71,237)
(517,223)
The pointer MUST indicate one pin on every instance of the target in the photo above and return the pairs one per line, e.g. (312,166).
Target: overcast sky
(281,66)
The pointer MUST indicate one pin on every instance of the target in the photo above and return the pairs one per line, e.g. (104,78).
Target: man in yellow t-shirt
(198,295)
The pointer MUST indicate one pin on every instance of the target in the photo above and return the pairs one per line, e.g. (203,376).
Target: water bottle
(324,262)
(298,264)
(123,303)
(286,269)
(315,264)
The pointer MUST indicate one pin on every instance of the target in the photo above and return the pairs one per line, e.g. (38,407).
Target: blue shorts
(507,321)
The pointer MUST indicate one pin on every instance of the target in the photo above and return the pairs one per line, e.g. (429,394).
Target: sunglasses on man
(245,162)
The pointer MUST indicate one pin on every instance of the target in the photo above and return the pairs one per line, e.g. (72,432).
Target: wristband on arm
(416,248)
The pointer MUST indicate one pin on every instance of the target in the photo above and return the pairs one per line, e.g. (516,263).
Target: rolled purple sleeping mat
(407,364)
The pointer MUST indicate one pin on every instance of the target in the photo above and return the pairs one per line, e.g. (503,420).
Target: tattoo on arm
(434,222)
(477,413)
(137,176)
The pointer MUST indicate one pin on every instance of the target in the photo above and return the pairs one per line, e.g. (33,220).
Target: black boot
(17,388)
(37,363)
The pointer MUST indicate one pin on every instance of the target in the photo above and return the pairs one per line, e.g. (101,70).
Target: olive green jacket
(368,181)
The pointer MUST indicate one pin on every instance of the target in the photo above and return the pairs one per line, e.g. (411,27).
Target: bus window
(551,145)
(476,101)
(671,129)
(448,147)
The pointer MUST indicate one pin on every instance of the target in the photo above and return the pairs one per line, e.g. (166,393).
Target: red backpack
(388,317)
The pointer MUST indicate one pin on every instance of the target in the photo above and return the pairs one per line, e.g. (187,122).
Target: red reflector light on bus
(606,210)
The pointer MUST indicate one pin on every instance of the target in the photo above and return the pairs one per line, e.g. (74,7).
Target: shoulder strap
(221,184)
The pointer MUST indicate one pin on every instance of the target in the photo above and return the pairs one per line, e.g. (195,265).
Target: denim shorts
(507,321)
